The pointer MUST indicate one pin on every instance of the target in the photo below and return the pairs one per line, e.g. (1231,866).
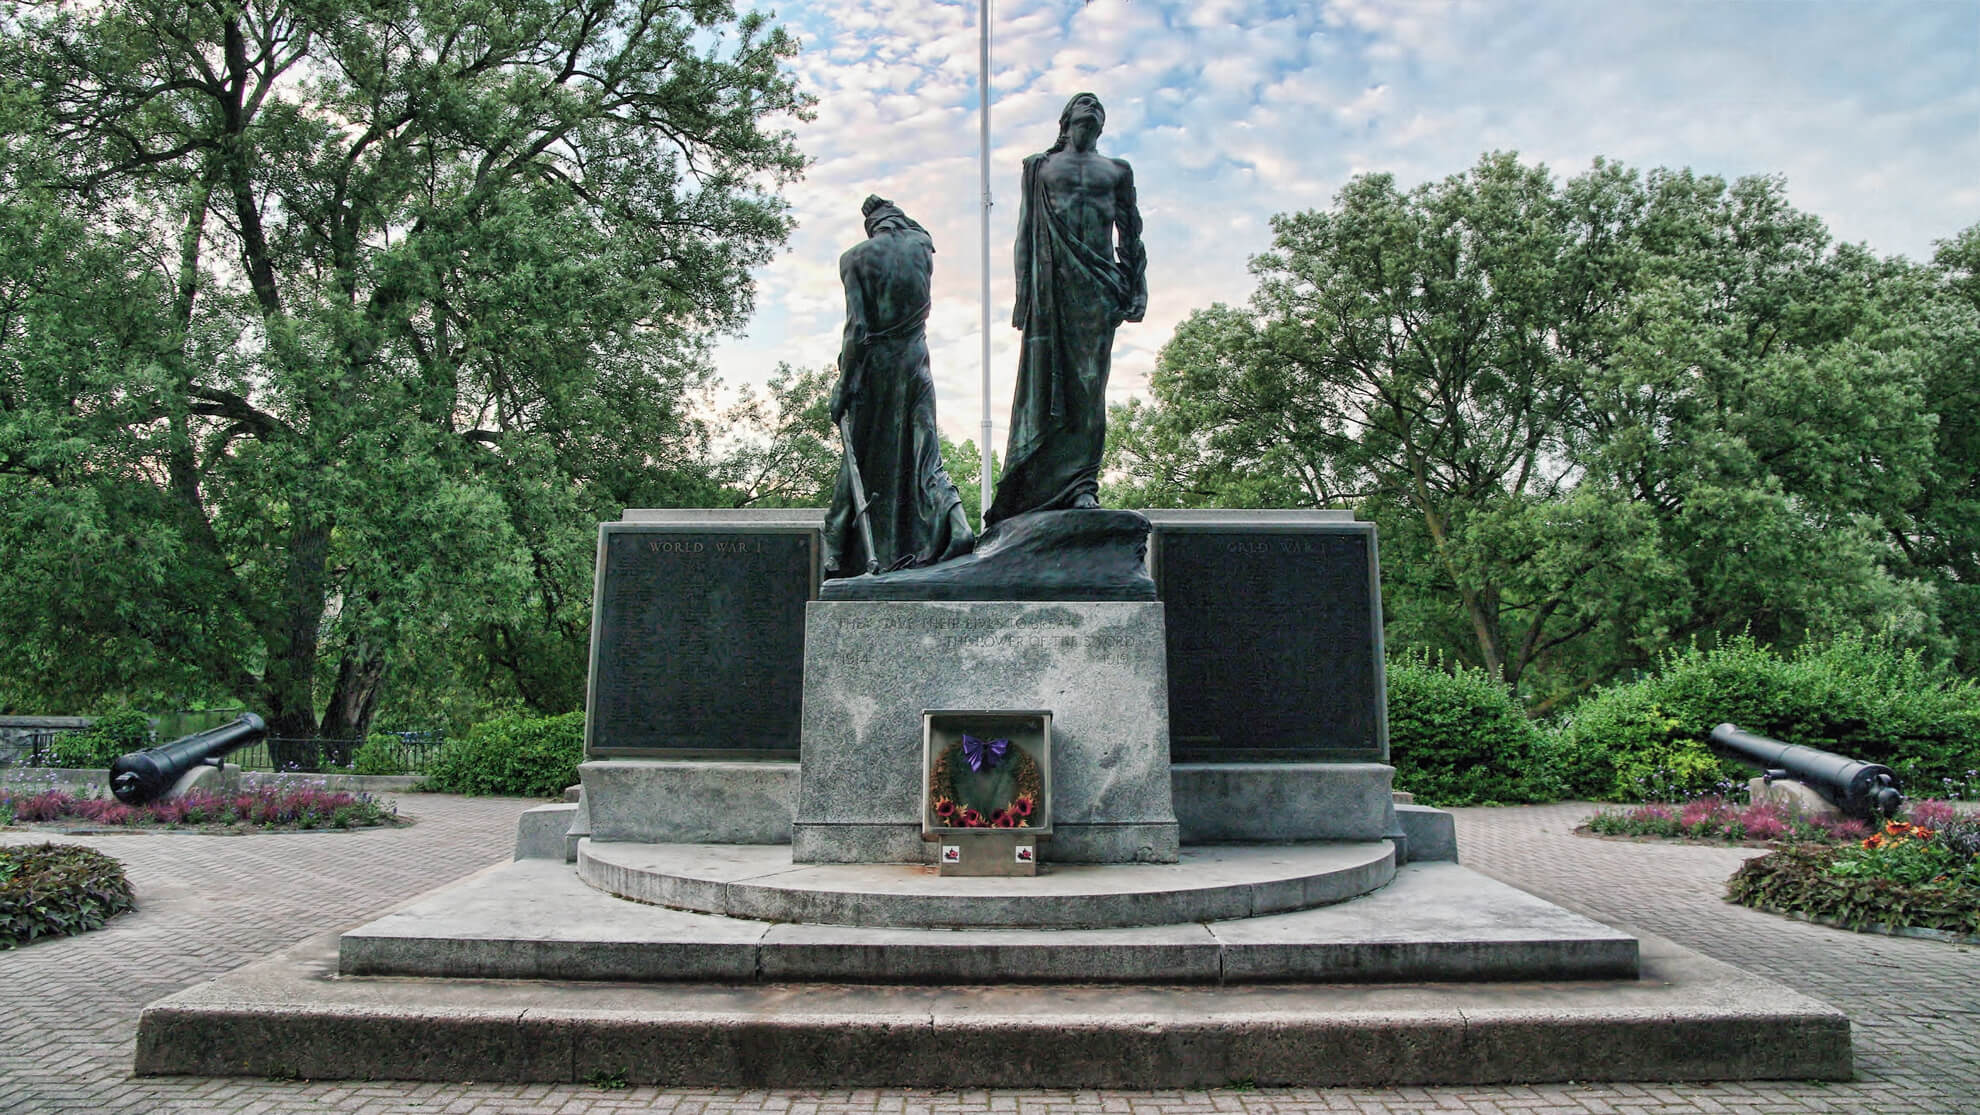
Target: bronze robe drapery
(1071,297)
(890,414)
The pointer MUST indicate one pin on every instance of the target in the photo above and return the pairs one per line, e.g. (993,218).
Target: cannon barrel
(142,776)
(1863,790)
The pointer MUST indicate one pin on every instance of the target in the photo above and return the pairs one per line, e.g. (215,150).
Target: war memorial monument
(1097,798)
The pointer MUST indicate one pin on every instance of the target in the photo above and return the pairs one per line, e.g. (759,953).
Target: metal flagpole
(983,170)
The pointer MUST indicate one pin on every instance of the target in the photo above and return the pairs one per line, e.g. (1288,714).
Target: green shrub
(1626,744)
(523,756)
(108,737)
(382,753)
(1860,697)
(54,890)
(1459,737)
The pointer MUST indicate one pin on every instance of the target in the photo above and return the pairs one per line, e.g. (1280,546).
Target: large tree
(1938,531)
(1592,418)
(383,304)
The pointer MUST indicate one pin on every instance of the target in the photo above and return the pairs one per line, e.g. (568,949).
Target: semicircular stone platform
(759,882)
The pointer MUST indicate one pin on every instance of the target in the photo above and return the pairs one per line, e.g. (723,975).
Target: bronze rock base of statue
(1045,555)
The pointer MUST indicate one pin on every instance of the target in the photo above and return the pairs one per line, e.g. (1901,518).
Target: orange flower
(1873,842)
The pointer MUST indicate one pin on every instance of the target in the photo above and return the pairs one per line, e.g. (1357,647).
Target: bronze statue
(1081,272)
(884,407)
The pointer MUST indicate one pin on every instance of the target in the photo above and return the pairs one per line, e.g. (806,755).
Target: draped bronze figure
(1081,272)
(884,405)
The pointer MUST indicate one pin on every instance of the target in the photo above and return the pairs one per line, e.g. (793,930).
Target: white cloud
(1233,110)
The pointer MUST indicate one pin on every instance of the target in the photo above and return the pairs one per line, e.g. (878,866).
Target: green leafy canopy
(327,331)
(1594,418)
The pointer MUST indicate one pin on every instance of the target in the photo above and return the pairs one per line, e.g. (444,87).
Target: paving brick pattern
(68,1009)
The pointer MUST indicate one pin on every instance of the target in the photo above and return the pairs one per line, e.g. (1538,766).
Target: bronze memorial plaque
(698,641)
(1274,641)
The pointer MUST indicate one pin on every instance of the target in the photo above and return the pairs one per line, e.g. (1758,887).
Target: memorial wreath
(980,756)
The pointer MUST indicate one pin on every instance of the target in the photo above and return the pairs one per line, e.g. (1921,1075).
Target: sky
(1231,111)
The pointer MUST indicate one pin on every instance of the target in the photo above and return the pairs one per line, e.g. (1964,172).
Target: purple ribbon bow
(983,754)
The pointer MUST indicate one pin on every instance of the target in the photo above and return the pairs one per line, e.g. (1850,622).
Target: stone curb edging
(72,778)
(1881,929)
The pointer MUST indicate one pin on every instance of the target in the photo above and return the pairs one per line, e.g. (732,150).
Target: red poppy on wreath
(950,811)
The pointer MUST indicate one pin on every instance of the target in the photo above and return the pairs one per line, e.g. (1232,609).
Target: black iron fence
(412,753)
(36,748)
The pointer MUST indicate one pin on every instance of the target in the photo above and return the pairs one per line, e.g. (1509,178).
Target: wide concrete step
(533,919)
(1687,1018)
(1209,884)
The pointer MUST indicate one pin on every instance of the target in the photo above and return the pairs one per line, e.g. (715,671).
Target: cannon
(143,776)
(1862,790)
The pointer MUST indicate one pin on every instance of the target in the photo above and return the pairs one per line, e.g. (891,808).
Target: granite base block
(1687,1018)
(813,842)
(1273,803)
(1430,835)
(1208,884)
(679,801)
(544,833)
(536,919)
(872,667)
(1797,798)
(206,779)
(902,843)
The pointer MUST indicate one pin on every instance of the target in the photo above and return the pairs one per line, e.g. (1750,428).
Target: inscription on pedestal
(874,669)
(1274,640)
(698,641)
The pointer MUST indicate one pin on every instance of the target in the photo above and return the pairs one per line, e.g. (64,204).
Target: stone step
(1687,1018)
(533,919)
(1208,884)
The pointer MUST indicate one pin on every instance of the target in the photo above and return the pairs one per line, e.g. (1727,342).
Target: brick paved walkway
(68,1009)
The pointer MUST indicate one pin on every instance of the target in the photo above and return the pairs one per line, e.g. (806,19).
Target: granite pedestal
(872,667)
(681,801)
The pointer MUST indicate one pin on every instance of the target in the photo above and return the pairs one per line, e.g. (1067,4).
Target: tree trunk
(289,681)
(354,701)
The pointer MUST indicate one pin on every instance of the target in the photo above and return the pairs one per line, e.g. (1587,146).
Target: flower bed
(1715,819)
(269,808)
(1920,874)
(54,890)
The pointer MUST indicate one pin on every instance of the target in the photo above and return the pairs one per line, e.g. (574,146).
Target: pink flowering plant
(1714,817)
(305,807)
